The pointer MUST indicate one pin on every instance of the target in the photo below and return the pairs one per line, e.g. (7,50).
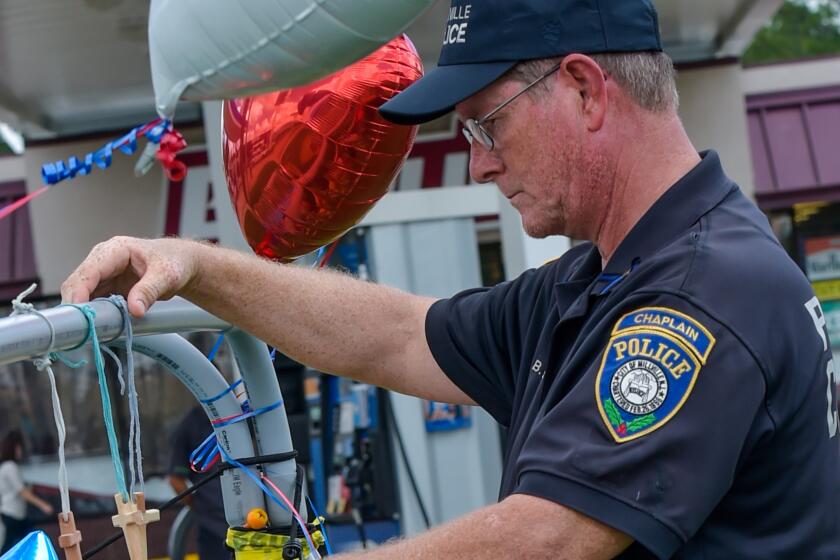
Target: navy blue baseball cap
(484,39)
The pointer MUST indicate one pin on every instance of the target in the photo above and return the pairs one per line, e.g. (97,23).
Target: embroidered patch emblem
(648,370)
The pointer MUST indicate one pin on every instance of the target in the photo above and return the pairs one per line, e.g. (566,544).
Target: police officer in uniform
(668,387)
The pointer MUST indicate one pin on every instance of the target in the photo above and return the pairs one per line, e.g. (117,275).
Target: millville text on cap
(456,28)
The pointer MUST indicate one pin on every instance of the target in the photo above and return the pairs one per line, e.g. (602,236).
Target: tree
(799,29)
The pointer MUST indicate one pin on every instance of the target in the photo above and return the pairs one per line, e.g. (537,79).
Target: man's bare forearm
(325,319)
(519,527)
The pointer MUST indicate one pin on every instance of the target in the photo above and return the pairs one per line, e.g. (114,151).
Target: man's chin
(535,232)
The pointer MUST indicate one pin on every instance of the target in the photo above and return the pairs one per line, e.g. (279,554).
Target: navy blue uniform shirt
(685,395)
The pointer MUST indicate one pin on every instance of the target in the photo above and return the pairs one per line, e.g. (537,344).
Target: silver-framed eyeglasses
(474,129)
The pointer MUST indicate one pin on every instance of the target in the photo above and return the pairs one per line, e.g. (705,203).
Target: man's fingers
(146,291)
(104,262)
(80,285)
(137,306)
(144,271)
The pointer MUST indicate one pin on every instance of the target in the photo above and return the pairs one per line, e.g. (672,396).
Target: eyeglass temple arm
(545,74)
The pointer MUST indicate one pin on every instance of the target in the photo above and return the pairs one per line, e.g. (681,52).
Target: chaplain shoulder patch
(648,370)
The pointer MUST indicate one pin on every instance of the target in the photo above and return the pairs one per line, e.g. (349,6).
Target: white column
(229,233)
(713,111)
(457,471)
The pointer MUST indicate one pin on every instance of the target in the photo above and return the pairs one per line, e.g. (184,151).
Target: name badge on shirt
(649,369)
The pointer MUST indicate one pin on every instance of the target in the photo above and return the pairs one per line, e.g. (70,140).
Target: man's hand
(142,270)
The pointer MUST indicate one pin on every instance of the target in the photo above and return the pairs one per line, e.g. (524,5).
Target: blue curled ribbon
(58,171)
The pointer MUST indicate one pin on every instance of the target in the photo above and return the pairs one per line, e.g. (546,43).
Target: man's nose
(485,165)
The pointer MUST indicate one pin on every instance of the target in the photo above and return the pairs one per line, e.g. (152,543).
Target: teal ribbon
(107,413)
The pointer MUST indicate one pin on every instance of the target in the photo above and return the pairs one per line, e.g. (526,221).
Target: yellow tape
(259,545)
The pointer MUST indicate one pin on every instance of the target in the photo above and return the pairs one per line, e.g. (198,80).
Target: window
(17,258)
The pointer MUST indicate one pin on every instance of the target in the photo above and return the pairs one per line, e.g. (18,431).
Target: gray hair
(649,78)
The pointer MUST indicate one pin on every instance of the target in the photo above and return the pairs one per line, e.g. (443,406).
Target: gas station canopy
(70,67)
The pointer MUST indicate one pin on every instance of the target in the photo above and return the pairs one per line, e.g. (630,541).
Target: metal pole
(24,337)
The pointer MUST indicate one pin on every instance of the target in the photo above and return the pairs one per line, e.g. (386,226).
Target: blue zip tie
(251,414)
(201,451)
(214,398)
(216,346)
(197,453)
(210,458)
(319,255)
(323,526)
(205,452)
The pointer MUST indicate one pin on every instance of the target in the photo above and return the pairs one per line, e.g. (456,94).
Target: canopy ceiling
(71,67)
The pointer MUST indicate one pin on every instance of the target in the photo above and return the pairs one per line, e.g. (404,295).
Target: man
(206,504)
(668,388)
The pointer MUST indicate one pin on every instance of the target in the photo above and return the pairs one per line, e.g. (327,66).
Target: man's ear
(591,83)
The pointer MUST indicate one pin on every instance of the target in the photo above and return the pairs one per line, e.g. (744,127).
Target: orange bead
(256,519)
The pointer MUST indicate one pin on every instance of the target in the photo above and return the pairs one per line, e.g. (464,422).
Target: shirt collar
(680,207)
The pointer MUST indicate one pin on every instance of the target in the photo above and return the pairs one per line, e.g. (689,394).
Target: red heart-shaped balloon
(304,165)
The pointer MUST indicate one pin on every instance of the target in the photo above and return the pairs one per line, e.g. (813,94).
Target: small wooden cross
(69,538)
(132,518)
